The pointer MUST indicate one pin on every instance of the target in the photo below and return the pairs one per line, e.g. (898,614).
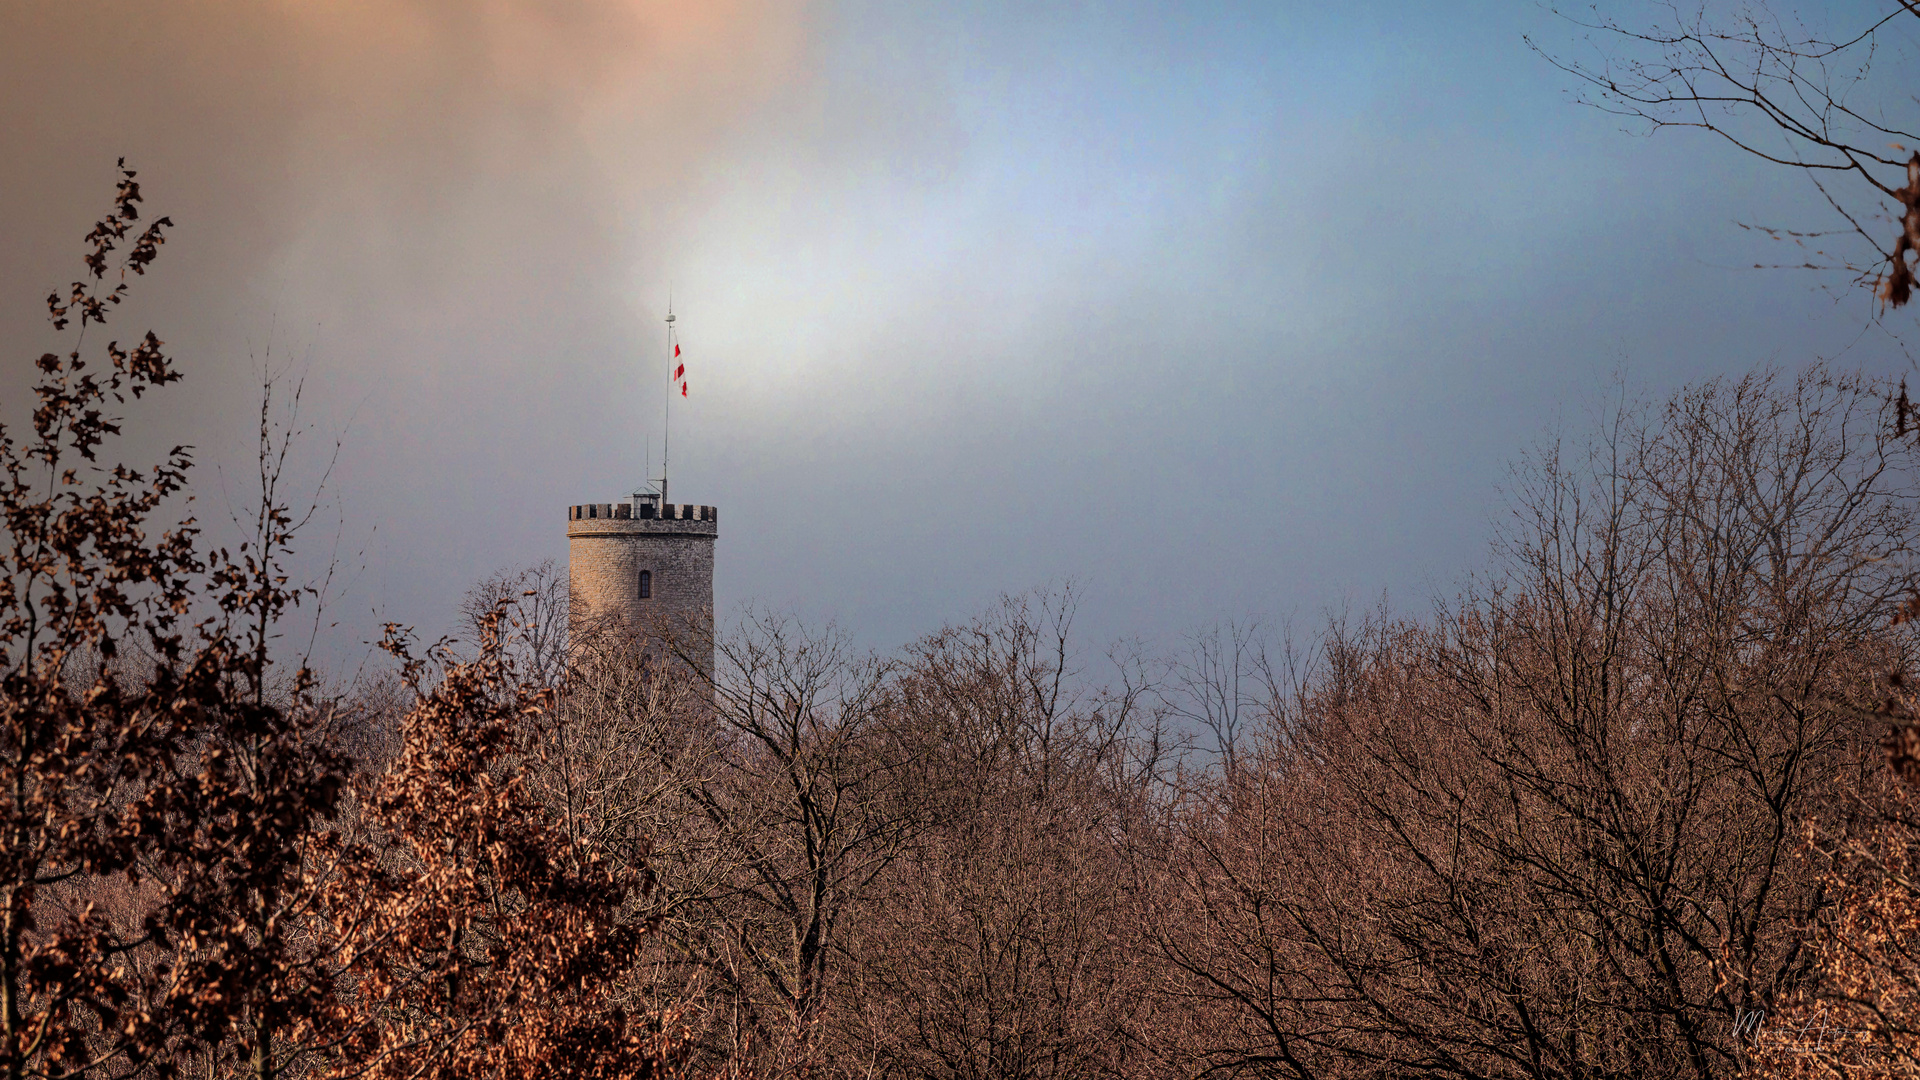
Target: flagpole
(666,436)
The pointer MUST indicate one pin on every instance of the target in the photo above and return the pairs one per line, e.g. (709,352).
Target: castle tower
(643,567)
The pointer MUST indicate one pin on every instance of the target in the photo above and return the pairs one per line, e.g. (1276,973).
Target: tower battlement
(643,511)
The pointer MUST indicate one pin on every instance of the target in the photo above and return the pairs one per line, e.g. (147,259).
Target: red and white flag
(680,371)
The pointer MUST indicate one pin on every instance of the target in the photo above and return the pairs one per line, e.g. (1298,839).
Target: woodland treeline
(1635,803)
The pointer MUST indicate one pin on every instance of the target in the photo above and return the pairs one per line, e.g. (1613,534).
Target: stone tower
(644,566)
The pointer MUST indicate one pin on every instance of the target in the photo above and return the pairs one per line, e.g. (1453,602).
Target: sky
(1216,312)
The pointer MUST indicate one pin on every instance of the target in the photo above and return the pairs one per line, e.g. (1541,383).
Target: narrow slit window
(646,584)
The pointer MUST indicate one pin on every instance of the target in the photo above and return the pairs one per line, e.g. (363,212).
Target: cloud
(1228,310)
(385,143)
(435,210)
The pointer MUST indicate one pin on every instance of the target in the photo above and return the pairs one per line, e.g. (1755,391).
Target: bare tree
(1003,942)
(536,604)
(1228,682)
(909,867)
(1833,101)
(1551,833)
(773,792)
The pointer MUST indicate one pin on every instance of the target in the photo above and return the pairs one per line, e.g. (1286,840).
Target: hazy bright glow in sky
(1219,311)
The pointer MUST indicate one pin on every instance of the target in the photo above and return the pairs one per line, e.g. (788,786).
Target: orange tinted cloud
(369,165)
(255,116)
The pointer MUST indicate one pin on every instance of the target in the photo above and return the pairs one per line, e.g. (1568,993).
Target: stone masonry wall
(608,550)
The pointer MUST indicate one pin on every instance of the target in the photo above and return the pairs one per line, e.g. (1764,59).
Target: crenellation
(646,512)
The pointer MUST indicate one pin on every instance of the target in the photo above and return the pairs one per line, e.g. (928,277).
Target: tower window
(646,584)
